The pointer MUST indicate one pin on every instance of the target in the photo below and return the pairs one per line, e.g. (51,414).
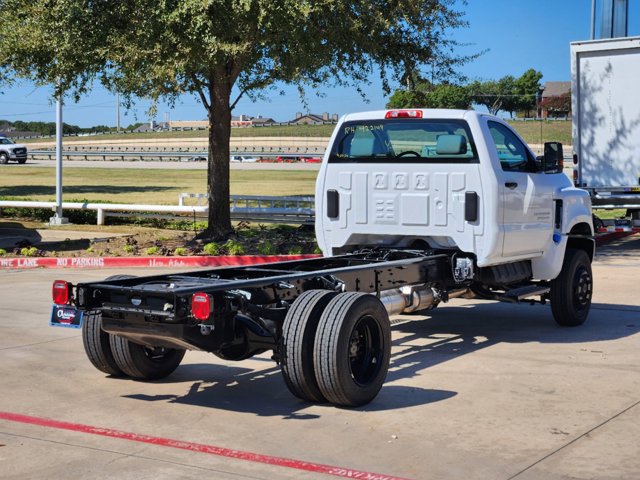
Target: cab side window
(513,154)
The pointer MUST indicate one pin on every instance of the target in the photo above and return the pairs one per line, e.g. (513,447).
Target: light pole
(57,218)
(118,113)
(593,19)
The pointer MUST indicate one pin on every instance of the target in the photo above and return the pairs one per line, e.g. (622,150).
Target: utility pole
(58,219)
(118,112)
(593,19)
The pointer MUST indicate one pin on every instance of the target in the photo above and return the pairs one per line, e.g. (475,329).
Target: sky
(516,34)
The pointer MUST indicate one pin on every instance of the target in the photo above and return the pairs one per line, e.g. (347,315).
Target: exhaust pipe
(412,299)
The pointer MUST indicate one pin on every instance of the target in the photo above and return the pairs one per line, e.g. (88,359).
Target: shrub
(153,251)
(3,252)
(181,251)
(212,249)
(128,249)
(234,248)
(267,248)
(29,252)
(297,250)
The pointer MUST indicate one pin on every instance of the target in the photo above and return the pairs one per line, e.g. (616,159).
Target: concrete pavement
(478,390)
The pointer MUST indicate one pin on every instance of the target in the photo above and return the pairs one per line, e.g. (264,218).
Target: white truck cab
(448,179)
(10,151)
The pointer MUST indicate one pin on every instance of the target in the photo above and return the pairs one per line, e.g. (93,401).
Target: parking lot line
(198,447)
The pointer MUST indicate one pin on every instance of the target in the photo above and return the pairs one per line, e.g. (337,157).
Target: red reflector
(200,306)
(404,114)
(60,292)
(575,178)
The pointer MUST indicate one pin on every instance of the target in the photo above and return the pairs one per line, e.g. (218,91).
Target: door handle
(511,185)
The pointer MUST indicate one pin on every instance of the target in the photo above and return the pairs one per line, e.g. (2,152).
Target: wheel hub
(365,350)
(583,288)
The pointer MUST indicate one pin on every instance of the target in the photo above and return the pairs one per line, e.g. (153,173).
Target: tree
(558,105)
(495,95)
(528,87)
(162,49)
(508,94)
(426,95)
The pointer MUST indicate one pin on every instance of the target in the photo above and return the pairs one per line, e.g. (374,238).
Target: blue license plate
(62,316)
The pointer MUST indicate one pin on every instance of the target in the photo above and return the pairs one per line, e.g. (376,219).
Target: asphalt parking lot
(475,391)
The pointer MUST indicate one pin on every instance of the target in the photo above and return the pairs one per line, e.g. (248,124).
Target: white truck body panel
(606,112)
(400,204)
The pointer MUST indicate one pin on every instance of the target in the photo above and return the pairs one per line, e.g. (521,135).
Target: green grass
(609,214)
(146,186)
(540,132)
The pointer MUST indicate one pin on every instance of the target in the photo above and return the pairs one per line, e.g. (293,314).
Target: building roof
(556,89)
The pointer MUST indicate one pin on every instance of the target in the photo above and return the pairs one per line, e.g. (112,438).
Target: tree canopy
(161,49)
(426,95)
(508,94)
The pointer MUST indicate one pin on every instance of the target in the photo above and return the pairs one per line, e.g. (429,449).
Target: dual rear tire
(336,347)
(120,357)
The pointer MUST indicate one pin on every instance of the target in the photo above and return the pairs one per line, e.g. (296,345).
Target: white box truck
(606,122)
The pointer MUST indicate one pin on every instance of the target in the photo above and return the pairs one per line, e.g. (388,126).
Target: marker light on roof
(404,114)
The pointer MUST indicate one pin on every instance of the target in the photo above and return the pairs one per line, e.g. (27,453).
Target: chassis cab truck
(413,208)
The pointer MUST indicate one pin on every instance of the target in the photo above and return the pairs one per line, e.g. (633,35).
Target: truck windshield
(5,141)
(404,141)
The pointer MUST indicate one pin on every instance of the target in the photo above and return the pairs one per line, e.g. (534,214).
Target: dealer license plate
(65,317)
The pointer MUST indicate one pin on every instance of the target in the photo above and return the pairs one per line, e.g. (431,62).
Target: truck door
(527,196)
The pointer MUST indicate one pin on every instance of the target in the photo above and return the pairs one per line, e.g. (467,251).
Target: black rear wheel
(352,349)
(97,346)
(298,334)
(4,159)
(571,291)
(143,362)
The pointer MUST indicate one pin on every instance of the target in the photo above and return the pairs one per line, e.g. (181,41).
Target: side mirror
(553,158)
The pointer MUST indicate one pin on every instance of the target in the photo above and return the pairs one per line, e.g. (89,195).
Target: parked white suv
(10,151)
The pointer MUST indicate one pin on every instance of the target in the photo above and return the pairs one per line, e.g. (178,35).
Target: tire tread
(97,345)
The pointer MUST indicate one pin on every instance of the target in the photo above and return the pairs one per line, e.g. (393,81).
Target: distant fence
(182,154)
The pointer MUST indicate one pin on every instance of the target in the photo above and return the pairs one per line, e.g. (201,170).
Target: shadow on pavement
(445,334)
(12,233)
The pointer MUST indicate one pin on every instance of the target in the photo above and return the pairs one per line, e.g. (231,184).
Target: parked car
(10,151)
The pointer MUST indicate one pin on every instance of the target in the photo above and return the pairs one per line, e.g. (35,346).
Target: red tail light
(200,306)
(404,114)
(575,178)
(60,292)
(575,158)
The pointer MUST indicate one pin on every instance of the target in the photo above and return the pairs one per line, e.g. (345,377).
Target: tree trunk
(218,160)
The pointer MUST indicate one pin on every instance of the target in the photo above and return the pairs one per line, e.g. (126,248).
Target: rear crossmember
(157,310)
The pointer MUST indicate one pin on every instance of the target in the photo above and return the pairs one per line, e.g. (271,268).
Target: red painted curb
(198,447)
(123,262)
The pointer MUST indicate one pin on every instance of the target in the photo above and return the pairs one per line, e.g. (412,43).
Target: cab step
(519,294)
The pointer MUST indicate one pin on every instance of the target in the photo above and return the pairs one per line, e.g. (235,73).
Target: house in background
(236,121)
(7,130)
(247,121)
(554,100)
(152,127)
(313,119)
